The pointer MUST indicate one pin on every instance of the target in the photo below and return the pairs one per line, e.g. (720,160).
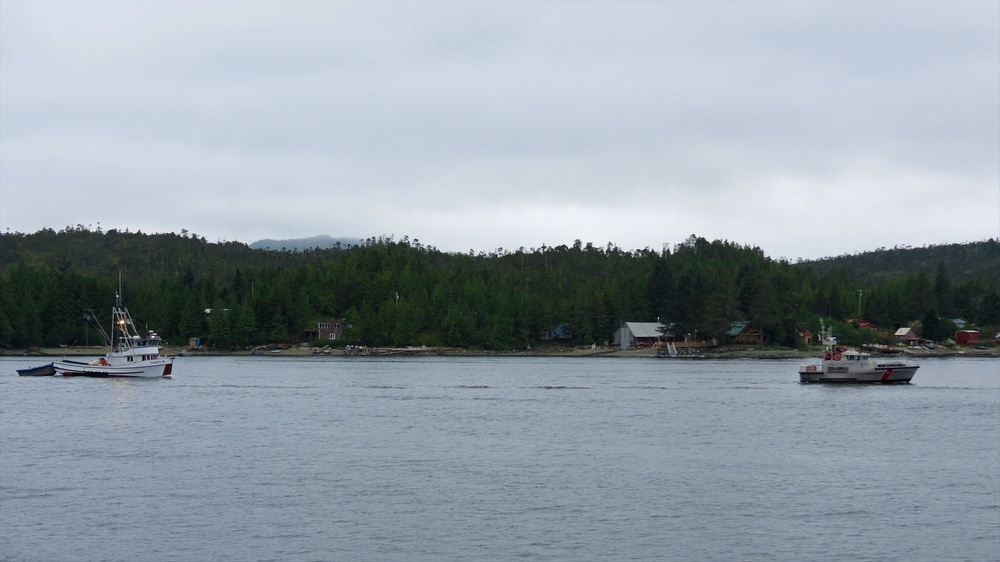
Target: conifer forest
(399,292)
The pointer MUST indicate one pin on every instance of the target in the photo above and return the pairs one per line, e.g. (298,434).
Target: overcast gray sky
(808,129)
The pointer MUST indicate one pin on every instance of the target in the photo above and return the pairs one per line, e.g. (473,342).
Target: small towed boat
(39,371)
(844,365)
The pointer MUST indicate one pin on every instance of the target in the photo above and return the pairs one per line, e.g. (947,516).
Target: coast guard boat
(845,365)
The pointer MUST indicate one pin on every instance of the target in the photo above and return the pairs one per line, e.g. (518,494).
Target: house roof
(645,329)
(903,331)
(736,327)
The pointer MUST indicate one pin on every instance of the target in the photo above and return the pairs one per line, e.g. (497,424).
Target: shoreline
(384,352)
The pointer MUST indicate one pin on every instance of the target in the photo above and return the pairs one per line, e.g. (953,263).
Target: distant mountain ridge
(321,242)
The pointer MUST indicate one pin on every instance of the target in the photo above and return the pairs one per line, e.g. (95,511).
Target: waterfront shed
(965,337)
(806,336)
(637,334)
(905,335)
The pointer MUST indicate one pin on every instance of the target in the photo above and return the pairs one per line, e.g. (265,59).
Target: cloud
(505,124)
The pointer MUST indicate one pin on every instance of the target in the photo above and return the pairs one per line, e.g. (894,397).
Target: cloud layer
(808,129)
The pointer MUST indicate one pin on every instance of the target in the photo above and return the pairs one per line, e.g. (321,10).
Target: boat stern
(810,373)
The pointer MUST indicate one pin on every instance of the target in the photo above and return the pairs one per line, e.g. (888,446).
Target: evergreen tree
(931,326)
(943,290)
(989,310)
(192,318)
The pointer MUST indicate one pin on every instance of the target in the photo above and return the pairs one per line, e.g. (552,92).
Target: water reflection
(123,397)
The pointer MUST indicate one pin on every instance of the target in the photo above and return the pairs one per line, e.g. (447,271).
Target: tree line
(401,292)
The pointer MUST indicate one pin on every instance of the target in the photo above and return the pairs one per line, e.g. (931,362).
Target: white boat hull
(153,368)
(892,372)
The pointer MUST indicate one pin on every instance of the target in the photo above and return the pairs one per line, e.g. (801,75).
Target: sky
(807,129)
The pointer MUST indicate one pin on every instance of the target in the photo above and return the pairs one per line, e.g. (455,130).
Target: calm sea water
(244,459)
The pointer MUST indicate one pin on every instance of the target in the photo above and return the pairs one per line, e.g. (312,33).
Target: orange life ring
(836,357)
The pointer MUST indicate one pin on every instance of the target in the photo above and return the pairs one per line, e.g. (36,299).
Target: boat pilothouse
(130,344)
(846,365)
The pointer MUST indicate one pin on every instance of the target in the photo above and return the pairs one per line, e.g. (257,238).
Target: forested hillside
(400,292)
(963,262)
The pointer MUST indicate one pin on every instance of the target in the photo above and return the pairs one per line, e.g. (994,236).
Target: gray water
(243,459)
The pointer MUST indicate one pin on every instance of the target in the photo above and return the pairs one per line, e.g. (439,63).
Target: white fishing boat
(844,365)
(129,354)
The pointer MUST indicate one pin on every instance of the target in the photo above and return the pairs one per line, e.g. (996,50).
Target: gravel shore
(646,353)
